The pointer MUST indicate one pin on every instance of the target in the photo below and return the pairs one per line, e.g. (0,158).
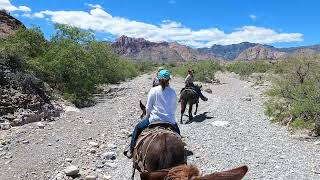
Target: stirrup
(128,154)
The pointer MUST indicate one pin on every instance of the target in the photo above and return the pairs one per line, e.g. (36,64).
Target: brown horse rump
(188,88)
(191,92)
(146,138)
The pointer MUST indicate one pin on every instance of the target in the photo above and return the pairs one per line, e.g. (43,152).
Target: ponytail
(164,83)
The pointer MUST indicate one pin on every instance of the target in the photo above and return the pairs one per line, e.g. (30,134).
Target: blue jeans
(144,123)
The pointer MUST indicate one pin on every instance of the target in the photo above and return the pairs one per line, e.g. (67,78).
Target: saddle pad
(189,89)
(147,136)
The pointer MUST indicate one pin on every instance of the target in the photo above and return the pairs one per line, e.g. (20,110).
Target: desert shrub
(72,61)
(24,45)
(295,94)
(203,70)
(246,68)
(146,66)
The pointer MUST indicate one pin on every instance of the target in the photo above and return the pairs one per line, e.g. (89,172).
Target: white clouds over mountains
(101,21)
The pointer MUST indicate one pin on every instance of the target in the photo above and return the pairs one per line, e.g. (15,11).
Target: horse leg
(190,111)
(195,113)
(183,108)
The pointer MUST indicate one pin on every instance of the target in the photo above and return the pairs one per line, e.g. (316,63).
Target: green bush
(245,68)
(24,45)
(146,66)
(296,93)
(203,70)
(72,61)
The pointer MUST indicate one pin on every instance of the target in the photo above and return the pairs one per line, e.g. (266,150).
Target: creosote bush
(72,61)
(295,95)
(203,70)
(246,68)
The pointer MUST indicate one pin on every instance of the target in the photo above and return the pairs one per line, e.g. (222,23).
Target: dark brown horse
(163,151)
(191,97)
(164,159)
(187,172)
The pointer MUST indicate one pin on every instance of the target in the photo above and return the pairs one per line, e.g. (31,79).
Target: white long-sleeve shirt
(162,104)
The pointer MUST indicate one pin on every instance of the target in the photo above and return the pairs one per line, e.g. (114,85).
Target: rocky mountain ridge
(8,24)
(141,49)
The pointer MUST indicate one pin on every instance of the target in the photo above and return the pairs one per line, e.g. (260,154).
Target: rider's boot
(127,152)
(204,98)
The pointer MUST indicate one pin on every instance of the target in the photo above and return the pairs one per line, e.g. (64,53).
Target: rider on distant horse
(189,83)
(156,81)
(161,106)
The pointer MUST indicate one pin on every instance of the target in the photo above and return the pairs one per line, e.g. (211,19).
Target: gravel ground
(230,130)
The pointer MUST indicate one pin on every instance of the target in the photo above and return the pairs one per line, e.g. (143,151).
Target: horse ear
(143,107)
(233,174)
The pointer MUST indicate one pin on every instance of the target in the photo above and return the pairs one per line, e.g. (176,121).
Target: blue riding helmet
(164,74)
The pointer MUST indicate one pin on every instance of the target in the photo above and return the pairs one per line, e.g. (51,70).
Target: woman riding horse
(161,106)
(189,83)
(156,81)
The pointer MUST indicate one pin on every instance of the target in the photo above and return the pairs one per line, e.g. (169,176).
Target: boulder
(71,170)
(220,123)
(90,177)
(106,177)
(208,91)
(68,160)
(94,144)
(40,125)
(59,176)
(109,155)
(5,126)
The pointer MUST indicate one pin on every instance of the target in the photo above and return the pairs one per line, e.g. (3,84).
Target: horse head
(143,108)
(186,172)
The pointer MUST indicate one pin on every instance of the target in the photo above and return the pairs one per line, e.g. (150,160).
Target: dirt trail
(245,136)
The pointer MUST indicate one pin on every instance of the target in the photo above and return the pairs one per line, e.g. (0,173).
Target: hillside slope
(8,24)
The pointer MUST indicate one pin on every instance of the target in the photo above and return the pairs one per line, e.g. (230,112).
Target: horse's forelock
(182,172)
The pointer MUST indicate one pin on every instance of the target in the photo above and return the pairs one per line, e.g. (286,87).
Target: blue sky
(200,23)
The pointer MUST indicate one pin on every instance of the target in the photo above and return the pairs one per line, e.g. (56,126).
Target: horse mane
(185,171)
(192,172)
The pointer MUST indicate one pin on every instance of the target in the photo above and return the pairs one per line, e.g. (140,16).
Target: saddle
(161,124)
(146,138)
(188,88)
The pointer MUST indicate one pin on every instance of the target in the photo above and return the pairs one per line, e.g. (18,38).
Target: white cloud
(28,15)
(24,9)
(6,4)
(94,5)
(101,21)
(38,15)
(252,17)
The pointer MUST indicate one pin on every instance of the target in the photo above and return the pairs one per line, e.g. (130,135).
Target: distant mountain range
(141,49)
